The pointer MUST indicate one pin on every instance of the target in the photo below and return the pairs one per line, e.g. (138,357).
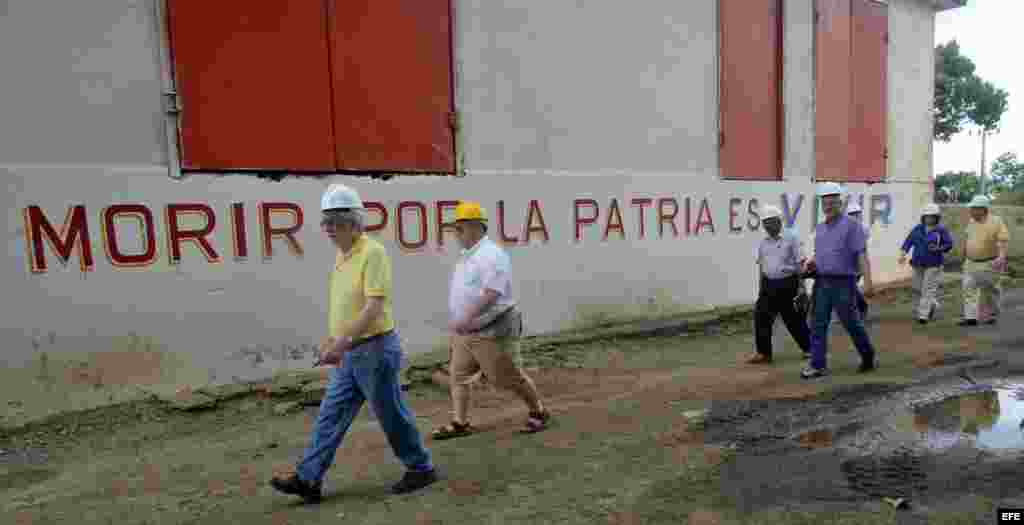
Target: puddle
(991,419)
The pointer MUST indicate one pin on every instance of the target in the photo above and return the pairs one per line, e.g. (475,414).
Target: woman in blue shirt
(930,242)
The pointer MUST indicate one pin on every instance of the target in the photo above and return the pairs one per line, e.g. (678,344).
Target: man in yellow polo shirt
(985,246)
(367,349)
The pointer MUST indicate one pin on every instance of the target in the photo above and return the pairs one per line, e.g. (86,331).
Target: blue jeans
(839,294)
(368,372)
(862,304)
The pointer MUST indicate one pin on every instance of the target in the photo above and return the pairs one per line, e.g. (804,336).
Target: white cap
(339,196)
(931,209)
(829,188)
(770,212)
(979,201)
(853,208)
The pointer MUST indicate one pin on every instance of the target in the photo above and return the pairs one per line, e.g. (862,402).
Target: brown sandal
(537,421)
(453,430)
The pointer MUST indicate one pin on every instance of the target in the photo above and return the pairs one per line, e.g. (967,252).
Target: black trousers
(777,298)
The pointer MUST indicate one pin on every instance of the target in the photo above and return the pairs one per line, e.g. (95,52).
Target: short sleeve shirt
(779,257)
(983,237)
(485,266)
(364,272)
(837,247)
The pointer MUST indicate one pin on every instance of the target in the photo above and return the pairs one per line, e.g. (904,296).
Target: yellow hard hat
(470,211)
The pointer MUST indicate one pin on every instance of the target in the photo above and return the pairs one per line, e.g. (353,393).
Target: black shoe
(868,366)
(922,321)
(968,322)
(309,492)
(413,481)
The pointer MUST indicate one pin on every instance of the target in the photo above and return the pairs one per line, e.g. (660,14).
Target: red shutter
(750,97)
(392,82)
(832,90)
(868,135)
(253,81)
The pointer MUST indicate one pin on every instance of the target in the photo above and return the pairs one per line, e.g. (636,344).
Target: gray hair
(352,217)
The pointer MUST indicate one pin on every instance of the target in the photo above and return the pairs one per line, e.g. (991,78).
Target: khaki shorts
(498,358)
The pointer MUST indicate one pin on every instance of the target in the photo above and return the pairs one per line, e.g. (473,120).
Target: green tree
(1008,172)
(961,97)
(987,104)
(960,186)
(953,73)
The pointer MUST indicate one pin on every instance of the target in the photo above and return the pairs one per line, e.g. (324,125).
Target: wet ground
(634,420)
(956,432)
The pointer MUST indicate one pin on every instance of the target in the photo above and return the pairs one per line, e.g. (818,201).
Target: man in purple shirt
(839,256)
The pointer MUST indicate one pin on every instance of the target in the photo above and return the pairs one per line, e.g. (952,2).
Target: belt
(370,339)
(358,342)
(982,260)
(495,320)
(783,278)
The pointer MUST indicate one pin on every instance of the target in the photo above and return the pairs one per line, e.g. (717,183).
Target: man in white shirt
(486,325)
(778,260)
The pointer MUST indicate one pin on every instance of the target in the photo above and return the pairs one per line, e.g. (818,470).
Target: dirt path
(212,467)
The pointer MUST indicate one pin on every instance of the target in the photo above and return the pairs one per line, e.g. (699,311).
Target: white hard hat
(770,212)
(339,196)
(979,201)
(829,188)
(853,208)
(931,209)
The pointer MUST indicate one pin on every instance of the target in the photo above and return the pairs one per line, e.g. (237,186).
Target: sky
(985,30)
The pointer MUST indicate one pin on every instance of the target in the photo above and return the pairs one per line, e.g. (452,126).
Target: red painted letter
(267,210)
(441,224)
(400,225)
(670,218)
(382,211)
(705,212)
(733,214)
(530,228)
(641,203)
(502,236)
(175,235)
(145,218)
(614,215)
(75,228)
(689,217)
(580,221)
(238,231)
(753,217)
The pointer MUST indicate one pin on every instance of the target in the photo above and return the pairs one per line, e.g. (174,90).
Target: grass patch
(617,461)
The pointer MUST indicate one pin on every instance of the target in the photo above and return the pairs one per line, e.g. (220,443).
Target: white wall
(631,87)
(622,106)
(81,83)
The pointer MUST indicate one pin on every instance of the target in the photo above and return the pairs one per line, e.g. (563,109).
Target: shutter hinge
(172,104)
(721,139)
(885,153)
(886,37)
(817,16)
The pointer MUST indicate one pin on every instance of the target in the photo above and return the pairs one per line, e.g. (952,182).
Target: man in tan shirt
(985,246)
